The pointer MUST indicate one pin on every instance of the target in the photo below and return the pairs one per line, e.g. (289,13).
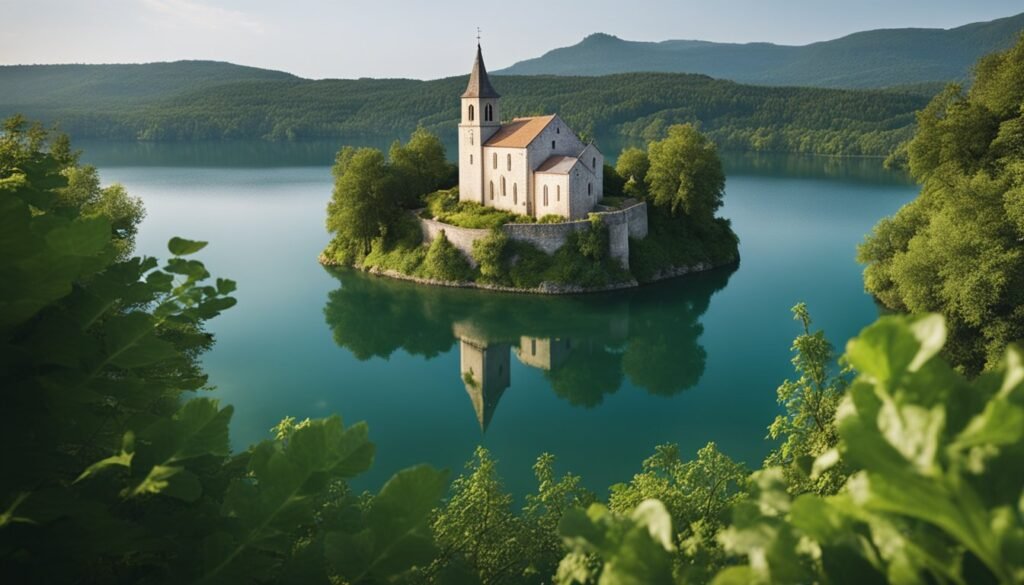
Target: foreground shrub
(445,262)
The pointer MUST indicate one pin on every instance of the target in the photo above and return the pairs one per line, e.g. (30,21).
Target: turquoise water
(596,380)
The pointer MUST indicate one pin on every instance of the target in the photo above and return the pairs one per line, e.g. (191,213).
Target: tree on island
(958,248)
(371,193)
(685,174)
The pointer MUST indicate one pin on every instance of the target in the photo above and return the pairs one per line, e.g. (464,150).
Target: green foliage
(592,242)
(698,495)
(635,548)
(445,206)
(938,493)
(678,241)
(632,166)
(685,174)
(366,198)
(957,248)
(807,430)
(445,262)
(115,476)
(552,218)
(489,254)
(421,166)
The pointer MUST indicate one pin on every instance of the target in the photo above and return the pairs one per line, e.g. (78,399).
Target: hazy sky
(429,38)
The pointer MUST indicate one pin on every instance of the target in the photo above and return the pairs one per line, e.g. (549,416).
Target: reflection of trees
(590,372)
(650,334)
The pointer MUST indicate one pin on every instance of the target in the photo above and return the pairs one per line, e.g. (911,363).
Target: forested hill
(63,85)
(630,107)
(875,58)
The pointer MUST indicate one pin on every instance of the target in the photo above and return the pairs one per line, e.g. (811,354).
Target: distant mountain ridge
(869,59)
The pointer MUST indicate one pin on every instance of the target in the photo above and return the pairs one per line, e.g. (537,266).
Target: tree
(632,167)
(807,429)
(958,249)
(685,174)
(421,166)
(366,198)
(445,262)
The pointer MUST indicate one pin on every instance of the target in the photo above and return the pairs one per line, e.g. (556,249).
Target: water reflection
(585,346)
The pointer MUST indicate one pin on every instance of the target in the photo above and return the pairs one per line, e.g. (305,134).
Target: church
(534,166)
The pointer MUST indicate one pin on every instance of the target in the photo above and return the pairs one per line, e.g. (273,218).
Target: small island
(531,207)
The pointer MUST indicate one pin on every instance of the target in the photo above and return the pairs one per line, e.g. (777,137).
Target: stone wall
(623,224)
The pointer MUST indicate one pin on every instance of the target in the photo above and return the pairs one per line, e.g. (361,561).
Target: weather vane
(478,35)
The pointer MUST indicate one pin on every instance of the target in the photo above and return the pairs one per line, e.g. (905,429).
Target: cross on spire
(478,35)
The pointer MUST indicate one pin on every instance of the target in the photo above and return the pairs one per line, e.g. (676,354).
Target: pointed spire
(479,85)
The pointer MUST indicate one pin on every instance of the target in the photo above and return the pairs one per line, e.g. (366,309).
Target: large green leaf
(182,247)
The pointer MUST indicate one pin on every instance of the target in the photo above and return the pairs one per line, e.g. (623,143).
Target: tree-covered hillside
(875,58)
(630,107)
(30,86)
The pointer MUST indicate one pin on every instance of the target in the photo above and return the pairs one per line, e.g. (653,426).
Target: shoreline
(546,288)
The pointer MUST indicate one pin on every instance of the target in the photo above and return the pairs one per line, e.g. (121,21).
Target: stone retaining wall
(623,224)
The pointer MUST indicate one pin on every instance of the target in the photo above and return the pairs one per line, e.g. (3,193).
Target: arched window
(590,188)
(545,195)
(593,163)
(503,186)
(494,159)
(558,192)
(471,159)
(558,129)
(552,145)
(491,190)
(508,160)
(488,113)
(472,112)
(515,195)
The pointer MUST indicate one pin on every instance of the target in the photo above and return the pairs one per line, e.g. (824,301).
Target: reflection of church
(485,365)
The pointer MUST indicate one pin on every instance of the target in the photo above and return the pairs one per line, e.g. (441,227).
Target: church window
(515,195)
(508,161)
(558,192)
(491,190)
(552,145)
(472,113)
(503,186)
(545,195)
(471,159)
(494,159)
(488,113)
(593,163)
(590,188)
(558,129)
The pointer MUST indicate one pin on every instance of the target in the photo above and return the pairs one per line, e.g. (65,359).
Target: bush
(489,254)
(444,261)
(593,242)
(552,218)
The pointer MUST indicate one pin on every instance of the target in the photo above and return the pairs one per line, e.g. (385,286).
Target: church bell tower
(481,118)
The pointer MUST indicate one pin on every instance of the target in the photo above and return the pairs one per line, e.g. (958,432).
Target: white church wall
(557,201)
(511,165)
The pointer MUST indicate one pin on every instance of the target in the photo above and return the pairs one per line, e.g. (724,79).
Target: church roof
(479,85)
(558,165)
(520,132)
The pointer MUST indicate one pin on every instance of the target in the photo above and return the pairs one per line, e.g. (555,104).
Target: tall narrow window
(590,188)
(508,160)
(494,159)
(515,195)
(593,163)
(471,159)
(472,112)
(558,129)
(488,113)
(552,145)
(491,190)
(503,186)
(558,192)
(545,195)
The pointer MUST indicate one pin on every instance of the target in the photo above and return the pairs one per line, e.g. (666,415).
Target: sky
(427,39)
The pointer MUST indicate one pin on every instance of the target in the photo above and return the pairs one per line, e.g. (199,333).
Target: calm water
(597,380)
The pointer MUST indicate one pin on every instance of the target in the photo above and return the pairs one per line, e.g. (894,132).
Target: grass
(446,207)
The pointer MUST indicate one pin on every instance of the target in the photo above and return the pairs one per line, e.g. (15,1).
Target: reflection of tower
(485,372)
(543,353)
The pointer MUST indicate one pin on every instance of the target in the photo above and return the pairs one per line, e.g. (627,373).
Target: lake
(597,380)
